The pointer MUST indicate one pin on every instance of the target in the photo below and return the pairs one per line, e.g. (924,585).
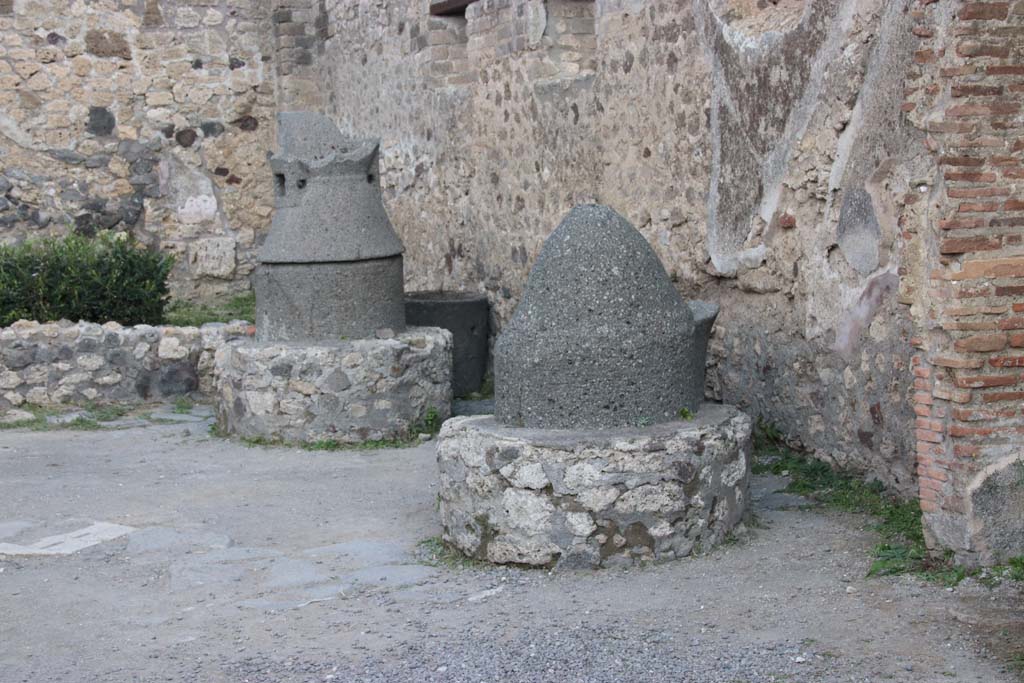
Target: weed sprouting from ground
(107,413)
(902,549)
(486,389)
(39,422)
(430,424)
(435,552)
(183,406)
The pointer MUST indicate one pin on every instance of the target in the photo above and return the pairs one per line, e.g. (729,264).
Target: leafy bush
(100,279)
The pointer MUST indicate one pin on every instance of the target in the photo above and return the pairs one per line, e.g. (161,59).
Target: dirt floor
(277,564)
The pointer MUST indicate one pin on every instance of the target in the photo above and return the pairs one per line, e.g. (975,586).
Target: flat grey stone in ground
(67,417)
(601,337)
(187,597)
(13,416)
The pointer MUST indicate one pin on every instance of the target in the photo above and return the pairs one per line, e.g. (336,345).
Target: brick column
(966,95)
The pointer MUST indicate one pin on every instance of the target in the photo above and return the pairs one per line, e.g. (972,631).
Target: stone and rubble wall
(760,150)
(74,363)
(968,96)
(347,391)
(148,116)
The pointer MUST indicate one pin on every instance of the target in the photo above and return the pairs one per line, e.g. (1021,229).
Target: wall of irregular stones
(59,363)
(760,148)
(151,116)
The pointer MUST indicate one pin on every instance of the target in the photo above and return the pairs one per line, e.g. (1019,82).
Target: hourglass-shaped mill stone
(331,266)
(601,337)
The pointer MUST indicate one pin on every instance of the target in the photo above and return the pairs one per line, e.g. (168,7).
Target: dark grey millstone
(466,315)
(704,315)
(328,301)
(327,196)
(331,266)
(601,337)
(101,121)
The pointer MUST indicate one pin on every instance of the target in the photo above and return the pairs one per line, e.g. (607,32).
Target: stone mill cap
(328,205)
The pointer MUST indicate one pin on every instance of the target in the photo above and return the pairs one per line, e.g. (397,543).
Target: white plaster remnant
(71,542)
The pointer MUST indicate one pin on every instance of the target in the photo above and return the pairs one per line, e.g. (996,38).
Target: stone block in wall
(213,257)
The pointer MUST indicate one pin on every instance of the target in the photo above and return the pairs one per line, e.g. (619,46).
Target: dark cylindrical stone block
(466,315)
(324,301)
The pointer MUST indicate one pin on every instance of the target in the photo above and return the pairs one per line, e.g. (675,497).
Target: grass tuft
(434,552)
(486,390)
(190,314)
(903,549)
(183,405)
(39,423)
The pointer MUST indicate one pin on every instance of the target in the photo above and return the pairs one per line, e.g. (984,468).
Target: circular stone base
(593,498)
(349,391)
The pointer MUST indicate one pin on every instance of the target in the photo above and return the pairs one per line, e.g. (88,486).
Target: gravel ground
(276,565)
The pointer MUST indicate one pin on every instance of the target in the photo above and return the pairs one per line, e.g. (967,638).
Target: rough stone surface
(592,499)
(601,338)
(346,391)
(730,132)
(467,316)
(996,512)
(57,363)
(97,101)
(325,301)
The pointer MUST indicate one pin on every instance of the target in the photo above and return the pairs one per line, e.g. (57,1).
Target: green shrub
(100,279)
